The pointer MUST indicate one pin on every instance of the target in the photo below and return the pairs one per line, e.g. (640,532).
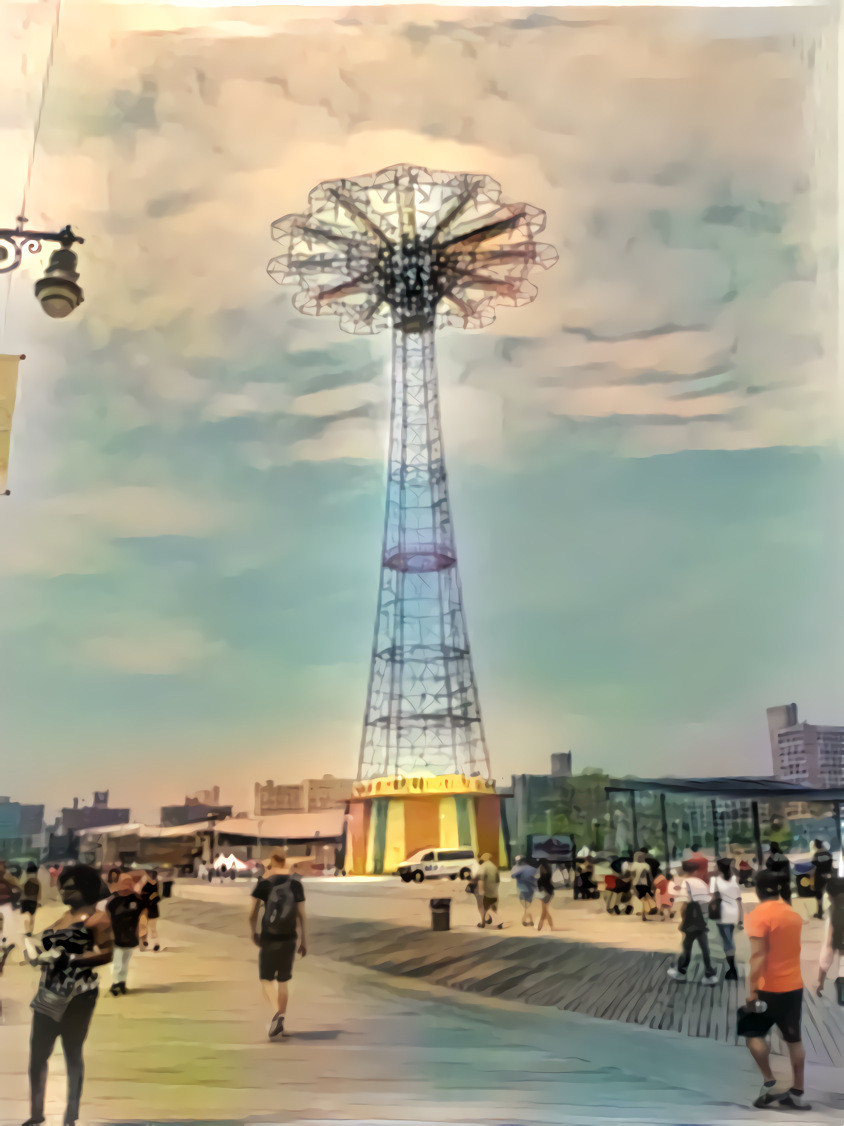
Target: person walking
(701,864)
(489,881)
(525,876)
(692,901)
(279,899)
(124,909)
(78,942)
(9,894)
(774,929)
(30,898)
(652,861)
(545,890)
(778,863)
(729,910)
(664,896)
(150,896)
(584,881)
(167,878)
(641,879)
(832,946)
(822,869)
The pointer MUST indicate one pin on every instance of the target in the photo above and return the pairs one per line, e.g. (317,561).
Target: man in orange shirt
(774,930)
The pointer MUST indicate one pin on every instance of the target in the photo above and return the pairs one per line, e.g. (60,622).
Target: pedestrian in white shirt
(693,903)
(727,911)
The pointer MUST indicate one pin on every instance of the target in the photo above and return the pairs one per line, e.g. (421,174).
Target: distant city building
(207,797)
(271,799)
(21,828)
(78,817)
(807,753)
(561,765)
(195,809)
(327,792)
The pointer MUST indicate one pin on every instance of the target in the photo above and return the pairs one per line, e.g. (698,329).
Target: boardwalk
(597,981)
(604,982)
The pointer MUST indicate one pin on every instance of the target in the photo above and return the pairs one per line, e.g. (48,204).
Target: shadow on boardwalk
(605,982)
(597,981)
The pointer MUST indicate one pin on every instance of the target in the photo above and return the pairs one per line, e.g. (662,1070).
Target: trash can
(440,914)
(805,874)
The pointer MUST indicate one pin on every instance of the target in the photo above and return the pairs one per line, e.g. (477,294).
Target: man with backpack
(693,899)
(282,897)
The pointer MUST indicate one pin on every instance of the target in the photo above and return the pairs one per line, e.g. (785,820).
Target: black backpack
(693,920)
(280,910)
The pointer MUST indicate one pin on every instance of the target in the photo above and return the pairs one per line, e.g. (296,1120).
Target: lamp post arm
(19,240)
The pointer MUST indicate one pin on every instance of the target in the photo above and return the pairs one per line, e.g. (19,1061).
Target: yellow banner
(8,391)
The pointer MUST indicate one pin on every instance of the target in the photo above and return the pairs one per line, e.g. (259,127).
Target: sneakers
(710,979)
(766,1095)
(276,1026)
(793,1101)
(675,974)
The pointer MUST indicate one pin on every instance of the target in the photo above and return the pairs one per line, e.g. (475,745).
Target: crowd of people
(698,892)
(107,922)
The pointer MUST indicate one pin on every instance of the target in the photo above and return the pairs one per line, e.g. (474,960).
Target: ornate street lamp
(58,290)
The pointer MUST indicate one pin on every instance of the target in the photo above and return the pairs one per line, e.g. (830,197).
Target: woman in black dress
(150,895)
(545,893)
(72,948)
(30,898)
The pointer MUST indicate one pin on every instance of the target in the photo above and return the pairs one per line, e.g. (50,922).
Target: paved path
(189,1043)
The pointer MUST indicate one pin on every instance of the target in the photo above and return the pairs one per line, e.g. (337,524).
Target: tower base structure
(392,818)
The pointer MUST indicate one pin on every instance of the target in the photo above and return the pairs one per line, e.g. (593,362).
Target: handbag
(693,920)
(715,907)
(750,1023)
(49,1003)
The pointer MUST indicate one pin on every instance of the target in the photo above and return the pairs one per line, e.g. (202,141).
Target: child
(664,896)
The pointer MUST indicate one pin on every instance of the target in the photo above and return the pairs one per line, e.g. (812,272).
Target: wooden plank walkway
(608,983)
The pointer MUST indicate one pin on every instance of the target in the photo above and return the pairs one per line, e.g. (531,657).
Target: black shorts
(784,1010)
(275,960)
(151,910)
(29,906)
(643,891)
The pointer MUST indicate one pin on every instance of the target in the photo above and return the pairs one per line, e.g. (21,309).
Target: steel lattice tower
(412,250)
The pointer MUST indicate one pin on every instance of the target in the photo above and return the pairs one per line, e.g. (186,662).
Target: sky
(645,463)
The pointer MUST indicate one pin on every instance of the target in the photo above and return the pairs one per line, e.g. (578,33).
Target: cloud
(697,208)
(339,400)
(142,511)
(252,400)
(355,439)
(75,533)
(140,646)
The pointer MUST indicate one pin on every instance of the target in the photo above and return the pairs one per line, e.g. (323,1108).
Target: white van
(436,864)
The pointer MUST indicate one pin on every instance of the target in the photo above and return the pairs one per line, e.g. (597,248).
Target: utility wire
(44,84)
